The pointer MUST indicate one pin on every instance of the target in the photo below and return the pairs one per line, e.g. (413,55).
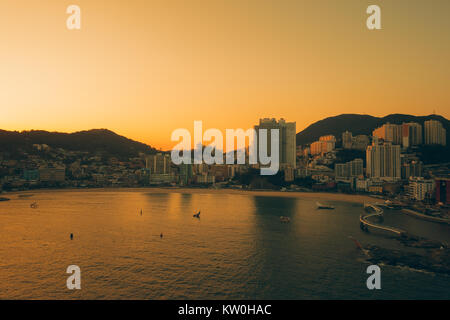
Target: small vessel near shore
(34,205)
(25,195)
(4,199)
(285,219)
(324,206)
(373,207)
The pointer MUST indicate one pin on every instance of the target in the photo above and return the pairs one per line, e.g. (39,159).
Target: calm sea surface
(239,249)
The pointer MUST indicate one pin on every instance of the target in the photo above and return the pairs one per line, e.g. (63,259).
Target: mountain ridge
(359,124)
(107,141)
(94,141)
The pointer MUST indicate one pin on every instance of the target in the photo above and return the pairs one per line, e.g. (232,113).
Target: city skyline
(392,129)
(147,68)
(399,155)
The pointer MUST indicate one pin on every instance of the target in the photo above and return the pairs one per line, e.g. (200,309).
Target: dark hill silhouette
(93,141)
(359,124)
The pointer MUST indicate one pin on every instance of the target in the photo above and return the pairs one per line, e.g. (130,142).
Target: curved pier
(365,224)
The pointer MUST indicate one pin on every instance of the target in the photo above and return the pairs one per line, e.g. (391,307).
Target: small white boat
(323,206)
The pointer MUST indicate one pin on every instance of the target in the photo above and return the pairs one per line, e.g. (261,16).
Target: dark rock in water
(435,260)
(419,242)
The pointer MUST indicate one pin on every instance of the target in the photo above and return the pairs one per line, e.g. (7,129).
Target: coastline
(325,196)
(421,216)
(359,199)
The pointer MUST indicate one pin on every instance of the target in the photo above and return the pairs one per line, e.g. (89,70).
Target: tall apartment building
(411,134)
(435,133)
(419,188)
(158,163)
(411,168)
(324,145)
(356,167)
(347,140)
(405,134)
(389,133)
(287,139)
(359,142)
(383,161)
(186,173)
(321,147)
(329,138)
(349,169)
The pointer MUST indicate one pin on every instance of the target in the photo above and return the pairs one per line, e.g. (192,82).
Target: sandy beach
(267,193)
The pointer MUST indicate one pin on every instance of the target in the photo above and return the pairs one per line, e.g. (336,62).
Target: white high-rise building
(435,133)
(383,161)
(287,143)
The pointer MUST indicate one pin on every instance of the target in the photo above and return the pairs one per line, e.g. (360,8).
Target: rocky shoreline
(413,241)
(435,260)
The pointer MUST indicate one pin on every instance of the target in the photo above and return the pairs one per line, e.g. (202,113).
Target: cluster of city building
(45,166)
(161,171)
(390,165)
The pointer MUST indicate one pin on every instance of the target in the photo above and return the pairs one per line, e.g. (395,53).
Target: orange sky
(143,68)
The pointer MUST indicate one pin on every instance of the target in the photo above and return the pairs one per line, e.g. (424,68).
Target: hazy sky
(143,68)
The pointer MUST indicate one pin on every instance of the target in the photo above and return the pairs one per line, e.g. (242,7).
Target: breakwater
(365,223)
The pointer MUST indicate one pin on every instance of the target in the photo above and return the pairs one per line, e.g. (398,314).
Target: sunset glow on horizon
(144,68)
